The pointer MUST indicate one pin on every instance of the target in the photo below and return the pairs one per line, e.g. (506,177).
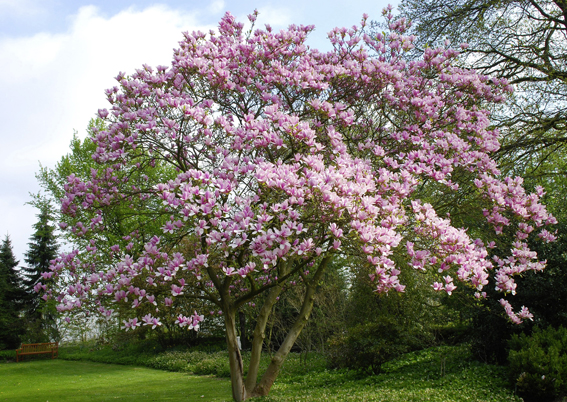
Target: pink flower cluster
(257,156)
(192,322)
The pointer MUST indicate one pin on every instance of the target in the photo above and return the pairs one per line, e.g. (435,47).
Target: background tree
(269,160)
(523,41)
(12,298)
(545,294)
(379,327)
(122,221)
(327,316)
(40,316)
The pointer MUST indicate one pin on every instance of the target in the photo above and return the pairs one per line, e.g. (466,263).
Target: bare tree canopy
(523,41)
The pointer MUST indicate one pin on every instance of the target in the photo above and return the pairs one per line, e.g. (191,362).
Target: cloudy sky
(58,56)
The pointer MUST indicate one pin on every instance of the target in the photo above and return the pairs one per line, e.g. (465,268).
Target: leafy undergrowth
(7,355)
(442,374)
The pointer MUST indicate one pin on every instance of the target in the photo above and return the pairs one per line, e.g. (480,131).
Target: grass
(61,380)
(440,374)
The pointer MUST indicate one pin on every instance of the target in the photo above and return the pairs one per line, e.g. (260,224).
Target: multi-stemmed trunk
(244,387)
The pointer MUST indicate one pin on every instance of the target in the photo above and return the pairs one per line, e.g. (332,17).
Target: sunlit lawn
(61,380)
(439,374)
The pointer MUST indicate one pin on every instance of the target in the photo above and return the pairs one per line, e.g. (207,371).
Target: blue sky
(58,56)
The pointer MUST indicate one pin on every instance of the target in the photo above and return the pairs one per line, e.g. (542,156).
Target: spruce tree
(42,248)
(12,298)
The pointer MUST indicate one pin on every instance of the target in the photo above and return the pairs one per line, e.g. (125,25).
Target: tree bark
(259,336)
(234,357)
(243,338)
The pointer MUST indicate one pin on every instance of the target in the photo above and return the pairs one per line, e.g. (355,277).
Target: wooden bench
(38,349)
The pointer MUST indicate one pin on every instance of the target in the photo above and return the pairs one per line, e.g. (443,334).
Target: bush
(538,363)
(214,364)
(367,346)
(7,355)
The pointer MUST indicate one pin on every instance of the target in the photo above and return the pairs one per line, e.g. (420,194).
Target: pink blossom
(244,184)
(131,323)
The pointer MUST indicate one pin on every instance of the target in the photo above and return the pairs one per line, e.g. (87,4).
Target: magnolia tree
(270,158)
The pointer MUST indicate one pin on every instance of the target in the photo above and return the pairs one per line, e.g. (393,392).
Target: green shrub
(170,361)
(213,364)
(7,355)
(538,363)
(367,346)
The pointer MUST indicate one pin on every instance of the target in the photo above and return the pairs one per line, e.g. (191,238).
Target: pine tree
(12,298)
(42,248)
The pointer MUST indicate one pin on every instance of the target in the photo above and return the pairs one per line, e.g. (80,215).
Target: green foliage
(124,218)
(8,355)
(176,360)
(216,365)
(439,374)
(538,363)
(40,316)
(522,42)
(380,327)
(42,249)
(198,360)
(368,346)
(544,293)
(490,330)
(12,298)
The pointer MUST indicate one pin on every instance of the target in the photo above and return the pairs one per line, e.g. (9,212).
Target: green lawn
(61,380)
(439,374)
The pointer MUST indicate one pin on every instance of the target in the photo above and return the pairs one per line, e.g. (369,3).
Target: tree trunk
(234,357)
(265,384)
(259,336)
(243,338)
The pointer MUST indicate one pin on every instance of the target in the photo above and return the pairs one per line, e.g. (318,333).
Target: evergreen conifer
(12,298)
(42,248)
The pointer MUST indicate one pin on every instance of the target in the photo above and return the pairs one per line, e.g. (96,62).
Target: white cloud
(217,6)
(58,80)
(20,216)
(276,17)
(52,84)
(25,59)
